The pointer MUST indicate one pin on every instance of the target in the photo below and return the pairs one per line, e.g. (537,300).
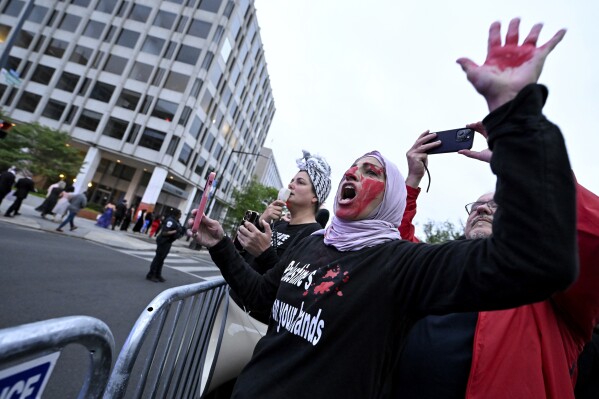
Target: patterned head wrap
(320,173)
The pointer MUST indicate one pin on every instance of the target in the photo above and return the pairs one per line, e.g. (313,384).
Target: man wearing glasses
(526,352)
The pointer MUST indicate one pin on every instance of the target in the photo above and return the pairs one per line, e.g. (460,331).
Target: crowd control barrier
(28,353)
(171,339)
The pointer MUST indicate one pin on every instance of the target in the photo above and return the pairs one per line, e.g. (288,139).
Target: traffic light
(5,126)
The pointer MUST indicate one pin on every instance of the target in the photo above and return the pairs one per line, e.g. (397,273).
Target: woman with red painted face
(343,299)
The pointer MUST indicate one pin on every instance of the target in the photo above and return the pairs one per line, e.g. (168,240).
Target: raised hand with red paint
(509,67)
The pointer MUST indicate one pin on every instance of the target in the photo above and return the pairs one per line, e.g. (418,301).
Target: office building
(156,93)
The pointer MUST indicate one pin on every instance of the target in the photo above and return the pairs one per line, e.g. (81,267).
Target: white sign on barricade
(27,380)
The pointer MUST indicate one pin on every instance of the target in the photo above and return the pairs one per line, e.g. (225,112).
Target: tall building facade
(267,172)
(157,94)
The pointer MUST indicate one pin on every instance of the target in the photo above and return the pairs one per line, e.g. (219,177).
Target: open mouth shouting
(348,193)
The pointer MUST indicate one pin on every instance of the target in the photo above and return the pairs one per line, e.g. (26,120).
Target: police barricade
(29,352)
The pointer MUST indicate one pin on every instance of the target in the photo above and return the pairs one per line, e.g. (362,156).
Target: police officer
(171,230)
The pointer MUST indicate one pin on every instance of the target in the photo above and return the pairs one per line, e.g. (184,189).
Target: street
(47,275)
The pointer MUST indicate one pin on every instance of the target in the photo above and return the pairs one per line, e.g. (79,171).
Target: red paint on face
(369,191)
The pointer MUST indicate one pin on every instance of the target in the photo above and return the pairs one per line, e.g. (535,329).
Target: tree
(45,152)
(436,233)
(253,196)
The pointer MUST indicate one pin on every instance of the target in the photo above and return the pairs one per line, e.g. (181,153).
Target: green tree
(436,233)
(253,196)
(43,151)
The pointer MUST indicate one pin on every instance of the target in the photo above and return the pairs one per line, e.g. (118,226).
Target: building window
(199,166)
(184,118)
(165,19)
(69,22)
(153,45)
(145,106)
(128,99)
(140,13)
(81,55)
(176,81)
(56,48)
(188,54)
(122,7)
(81,3)
(181,24)
(172,146)
(115,64)
(115,128)
(13,8)
(89,120)
(37,14)
(71,114)
(133,133)
(106,6)
(28,101)
(199,28)
(197,86)
(54,109)
(165,110)
(158,76)
(123,172)
(141,72)
(208,143)
(127,38)
(195,128)
(94,29)
(185,154)
(43,74)
(152,139)
(210,5)
(67,82)
(208,60)
(102,92)
(84,86)
(229,9)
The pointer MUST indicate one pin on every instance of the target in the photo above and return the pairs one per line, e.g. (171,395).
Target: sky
(353,76)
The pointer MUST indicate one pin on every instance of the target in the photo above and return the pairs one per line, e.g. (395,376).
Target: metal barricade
(180,321)
(35,340)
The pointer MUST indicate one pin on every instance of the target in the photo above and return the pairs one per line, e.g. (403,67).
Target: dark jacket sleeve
(532,252)
(257,291)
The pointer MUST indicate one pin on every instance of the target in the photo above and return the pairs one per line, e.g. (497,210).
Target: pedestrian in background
(119,214)
(52,197)
(76,203)
(7,179)
(127,219)
(171,231)
(22,189)
(62,206)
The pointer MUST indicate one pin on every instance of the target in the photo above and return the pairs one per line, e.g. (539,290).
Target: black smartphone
(453,140)
(250,216)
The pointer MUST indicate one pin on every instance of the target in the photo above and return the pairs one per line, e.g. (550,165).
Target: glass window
(219,149)
(226,95)
(106,6)
(81,3)
(208,60)
(195,128)
(140,13)
(165,19)
(84,86)
(81,55)
(56,48)
(71,114)
(176,81)
(89,120)
(172,146)
(141,72)
(128,99)
(176,1)
(14,8)
(152,139)
(158,76)
(4,31)
(153,45)
(184,116)
(43,74)
(185,154)
(127,38)
(94,29)
(199,166)
(133,133)
(54,109)
(165,110)
(210,5)
(218,34)
(197,86)
(115,128)
(145,106)
(122,7)
(170,50)
(181,24)
(67,82)
(199,28)
(229,9)
(206,101)
(102,92)
(69,22)
(188,54)
(38,13)
(209,141)
(28,101)
(115,64)
(110,33)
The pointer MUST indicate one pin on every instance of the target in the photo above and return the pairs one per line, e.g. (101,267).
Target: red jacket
(532,351)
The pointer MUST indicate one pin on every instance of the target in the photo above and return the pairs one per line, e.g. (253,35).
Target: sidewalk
(86,229)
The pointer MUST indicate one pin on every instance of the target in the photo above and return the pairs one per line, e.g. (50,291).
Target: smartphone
(250,216)
(453,140)
(203,201)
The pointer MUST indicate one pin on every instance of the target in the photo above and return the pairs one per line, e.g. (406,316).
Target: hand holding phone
(203,201)
(453,140)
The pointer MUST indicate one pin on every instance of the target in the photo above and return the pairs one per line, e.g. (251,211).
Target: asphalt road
(45,275)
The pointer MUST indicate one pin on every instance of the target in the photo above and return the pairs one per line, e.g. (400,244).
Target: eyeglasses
(473,206)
